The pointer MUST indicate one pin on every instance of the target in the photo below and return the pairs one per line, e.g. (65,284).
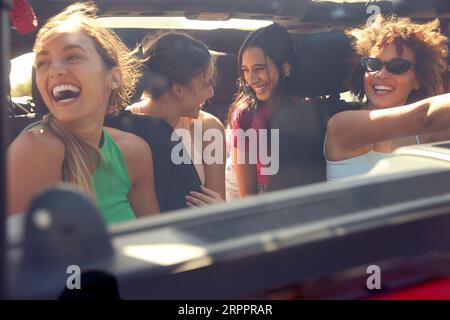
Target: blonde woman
(82,69)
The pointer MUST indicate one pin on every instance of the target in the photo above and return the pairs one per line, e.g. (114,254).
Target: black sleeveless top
(172,182)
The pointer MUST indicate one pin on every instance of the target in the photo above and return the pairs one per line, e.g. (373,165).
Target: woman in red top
(265,63)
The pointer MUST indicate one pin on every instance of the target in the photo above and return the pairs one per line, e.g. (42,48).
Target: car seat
(324,61)
(226,85)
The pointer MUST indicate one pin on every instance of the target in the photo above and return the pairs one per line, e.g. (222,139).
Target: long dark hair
(276,43)
(172,57)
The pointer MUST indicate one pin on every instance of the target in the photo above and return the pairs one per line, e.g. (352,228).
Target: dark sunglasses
(394,66)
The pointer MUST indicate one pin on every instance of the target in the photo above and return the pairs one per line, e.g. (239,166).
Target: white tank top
(354,166)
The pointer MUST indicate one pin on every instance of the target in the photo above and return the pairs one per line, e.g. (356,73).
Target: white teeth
(382,87)
(259,89)
(64,87)
(66,100)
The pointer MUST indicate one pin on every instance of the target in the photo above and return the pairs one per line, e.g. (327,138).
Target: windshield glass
(183,23)
(252,125)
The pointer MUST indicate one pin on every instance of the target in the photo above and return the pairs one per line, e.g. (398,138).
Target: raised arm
(349,130)
(34,162)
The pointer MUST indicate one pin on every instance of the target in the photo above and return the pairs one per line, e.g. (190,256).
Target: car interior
(314,240)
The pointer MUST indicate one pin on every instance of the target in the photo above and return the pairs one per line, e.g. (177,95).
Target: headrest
(324,61)
(226,83)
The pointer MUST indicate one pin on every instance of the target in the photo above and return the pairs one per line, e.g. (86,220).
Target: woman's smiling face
(259,72)
(72,77)
(200,89)
(384,89)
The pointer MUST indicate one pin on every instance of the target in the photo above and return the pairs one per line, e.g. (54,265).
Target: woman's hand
(200,199)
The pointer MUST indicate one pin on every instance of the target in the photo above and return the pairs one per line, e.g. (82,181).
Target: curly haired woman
(401,68)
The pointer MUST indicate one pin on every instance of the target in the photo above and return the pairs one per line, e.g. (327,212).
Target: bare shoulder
(210,121)
(139,107)
(340,119)
(130,144)
(135,151)
(37,144)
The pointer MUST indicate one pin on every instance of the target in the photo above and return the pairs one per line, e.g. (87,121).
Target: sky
(21,69)
(182,23)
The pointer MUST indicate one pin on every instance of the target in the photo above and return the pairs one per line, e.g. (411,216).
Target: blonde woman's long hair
(81,158)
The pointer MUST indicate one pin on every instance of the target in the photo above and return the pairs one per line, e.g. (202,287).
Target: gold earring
(113,105)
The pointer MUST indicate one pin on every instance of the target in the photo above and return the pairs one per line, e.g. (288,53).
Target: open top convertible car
(383,235)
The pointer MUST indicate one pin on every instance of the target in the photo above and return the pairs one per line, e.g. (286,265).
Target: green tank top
(111,181)
(112,184)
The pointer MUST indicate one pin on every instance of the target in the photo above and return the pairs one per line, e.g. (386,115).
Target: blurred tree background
(21,89)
